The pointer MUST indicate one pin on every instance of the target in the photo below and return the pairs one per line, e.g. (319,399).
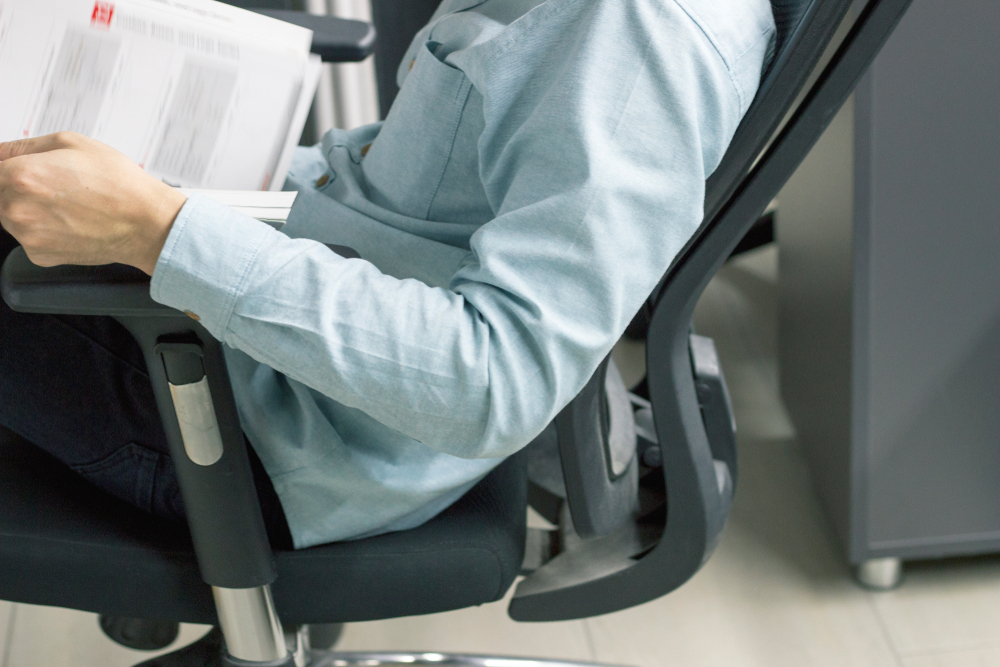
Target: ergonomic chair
(637,526)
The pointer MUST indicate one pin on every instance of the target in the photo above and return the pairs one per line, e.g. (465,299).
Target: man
(543,163)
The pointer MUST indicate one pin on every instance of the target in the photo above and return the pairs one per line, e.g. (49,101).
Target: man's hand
(73,200)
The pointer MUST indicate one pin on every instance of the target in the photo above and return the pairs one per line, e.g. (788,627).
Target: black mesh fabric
(65,543)
(787,14)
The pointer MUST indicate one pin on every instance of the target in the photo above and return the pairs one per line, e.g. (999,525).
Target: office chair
(631,528)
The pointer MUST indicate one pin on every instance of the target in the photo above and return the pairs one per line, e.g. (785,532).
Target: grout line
(591,648)
(883,628)
(9,636)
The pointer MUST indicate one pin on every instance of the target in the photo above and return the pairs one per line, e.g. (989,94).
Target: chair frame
(661,557)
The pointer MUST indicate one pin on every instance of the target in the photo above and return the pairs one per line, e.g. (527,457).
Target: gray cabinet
(889,332)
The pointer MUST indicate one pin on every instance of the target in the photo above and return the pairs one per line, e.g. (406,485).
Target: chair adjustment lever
(192,398)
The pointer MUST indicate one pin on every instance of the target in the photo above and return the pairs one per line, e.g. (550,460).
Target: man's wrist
(157,226)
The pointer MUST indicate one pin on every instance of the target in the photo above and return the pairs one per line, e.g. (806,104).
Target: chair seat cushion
(65,543)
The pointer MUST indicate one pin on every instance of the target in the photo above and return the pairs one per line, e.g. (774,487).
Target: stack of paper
(270,207)
(198,93)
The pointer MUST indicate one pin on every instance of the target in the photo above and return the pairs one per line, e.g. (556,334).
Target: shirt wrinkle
(512,36)
(714,41)
(264,357)
(230,305)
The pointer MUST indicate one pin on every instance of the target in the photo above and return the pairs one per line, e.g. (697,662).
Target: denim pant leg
(77,387)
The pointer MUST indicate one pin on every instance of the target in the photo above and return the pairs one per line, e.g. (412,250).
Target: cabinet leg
(880,574)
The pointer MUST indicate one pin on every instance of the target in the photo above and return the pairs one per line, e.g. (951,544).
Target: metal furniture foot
(880,574)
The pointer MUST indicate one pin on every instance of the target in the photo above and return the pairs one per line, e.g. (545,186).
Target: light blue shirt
(544,162)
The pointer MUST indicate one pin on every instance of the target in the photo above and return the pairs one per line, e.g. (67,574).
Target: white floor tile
(536,520)
(65,638)
(950,604)
(483,630)
(981,657)
(6,619)
(773,595)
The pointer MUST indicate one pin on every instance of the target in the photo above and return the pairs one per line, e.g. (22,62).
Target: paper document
(198,93)
(270,207)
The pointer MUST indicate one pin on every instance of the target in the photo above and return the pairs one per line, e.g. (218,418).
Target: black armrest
(335,40)
(220,498)
(114,289)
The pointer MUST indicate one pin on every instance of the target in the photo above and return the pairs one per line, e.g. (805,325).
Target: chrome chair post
(249,623)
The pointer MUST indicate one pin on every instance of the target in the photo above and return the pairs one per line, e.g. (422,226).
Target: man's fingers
(49,142)
(12,149)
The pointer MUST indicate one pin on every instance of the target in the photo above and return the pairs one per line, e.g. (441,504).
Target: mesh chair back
(686,505)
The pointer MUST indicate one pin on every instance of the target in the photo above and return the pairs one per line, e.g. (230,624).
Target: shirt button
(193,316)
(322,180)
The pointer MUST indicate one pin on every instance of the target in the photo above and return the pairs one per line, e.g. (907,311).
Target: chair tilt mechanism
(631,528)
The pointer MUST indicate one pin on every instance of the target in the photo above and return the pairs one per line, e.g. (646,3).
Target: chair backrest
(635,556)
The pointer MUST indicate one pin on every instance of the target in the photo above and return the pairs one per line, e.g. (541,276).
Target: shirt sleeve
(603,120)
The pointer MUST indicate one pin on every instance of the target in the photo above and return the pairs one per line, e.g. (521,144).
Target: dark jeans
(77,387)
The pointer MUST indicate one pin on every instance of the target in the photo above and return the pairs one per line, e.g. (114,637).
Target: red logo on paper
(103,11)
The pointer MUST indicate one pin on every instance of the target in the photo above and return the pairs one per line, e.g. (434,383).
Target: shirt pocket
(404,166)
(445,9)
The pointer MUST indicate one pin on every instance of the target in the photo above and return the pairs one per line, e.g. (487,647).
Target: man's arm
(72,200)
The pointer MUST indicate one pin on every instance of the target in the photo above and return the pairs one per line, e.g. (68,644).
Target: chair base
(208,652)
(398,659)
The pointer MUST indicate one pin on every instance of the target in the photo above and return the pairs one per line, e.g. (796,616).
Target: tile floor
(777,592)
